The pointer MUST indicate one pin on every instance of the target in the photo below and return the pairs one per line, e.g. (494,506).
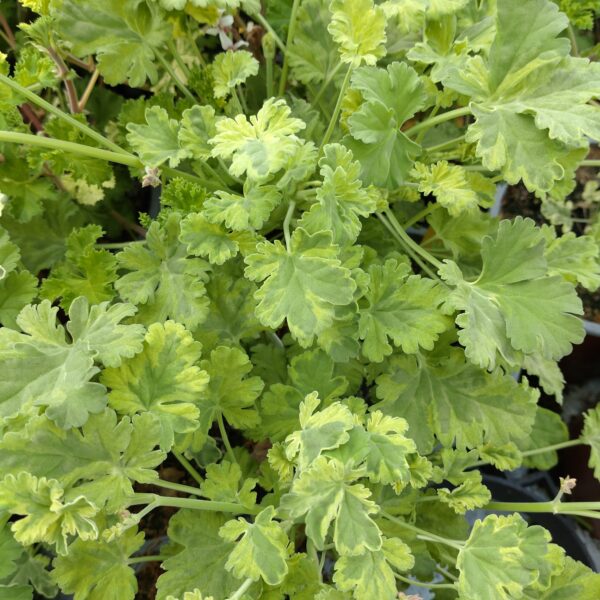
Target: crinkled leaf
(224,483)
(197,128)
(230,69)
(206,239)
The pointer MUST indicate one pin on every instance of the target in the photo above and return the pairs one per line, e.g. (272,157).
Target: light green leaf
(341,200)
(100,461)
(388,447)
(500,312)
(224,483)
(16,291)
(230,391)
(10,551)
(230,69)
(469,495)
(162,279)
(48,515)
(400,307)
(85,271)
(575,258)
(196,533)
(455,188)
(322,494)
(9,255)
(319,431)
(501,558)
(591,436)
(158,140)
(40,368)
(206,239)
(261,552)
(248,211)
(122,33)
(575,581)
(445,396)
(548,429)
(163,379)
(99,570)
(358,27)
(261,146)
(303,285)
(197,128)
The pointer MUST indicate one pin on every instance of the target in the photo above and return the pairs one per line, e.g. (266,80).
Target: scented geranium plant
(315,316)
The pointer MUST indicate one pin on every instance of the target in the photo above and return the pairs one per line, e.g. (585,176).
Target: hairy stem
(422,534)
(239,593)
(445,145)
(288,43)
(266,25)
(187,465)
(35,99)
(174,77)
(191,503)
(225,439)
(336,111)
(177,487)
(286,224)
(64,75)
(436,120)
(420,215)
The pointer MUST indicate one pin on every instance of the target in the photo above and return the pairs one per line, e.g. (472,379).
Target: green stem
(288,43)
(457,544)
(239,593)
(445,145)
(194,504)
(270,86)
(429,123)
(118,245)
(574,46)
(564,508)
(589,163)
(411,243)
(209,185)
(35,99)
(407,249)
(237,102)
(177,487)
(422,133)
(149,558)
(327,81)
(446,573)
(169,69)
(420,215)
(173,48)
(187,465)
(336,110)
(225,438)
(286,224)
(432,586)
(45,142)
(268,27)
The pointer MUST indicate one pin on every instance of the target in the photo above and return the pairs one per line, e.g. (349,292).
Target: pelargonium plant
(315,317)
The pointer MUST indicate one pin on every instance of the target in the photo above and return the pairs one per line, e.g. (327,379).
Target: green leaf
(9,255)
(163,280)
(530,98)
(40,368)
(48,515)
(248,211)
(369,575)
(392,96)
(196,533)
(500,312)
(400,307)
(591,436)
(341,199)
(319,431)
(230,391)
(224,483)
(455,188)
(580,12)
(575,258)
(100,461)
(261,146)
(303,285)
(358,27)
(501,558)
(85,271)
(388,447)
(261,551)
(99,570)
(16,291)
(231,69)
(206,239)
(548,429)
(122,33)
(575,580)
(197,127)
(158,140)
(163,379)
(322,494)
(10,551)
(469,495)
(446,397)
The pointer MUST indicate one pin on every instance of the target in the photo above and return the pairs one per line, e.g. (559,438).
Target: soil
(519,201)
